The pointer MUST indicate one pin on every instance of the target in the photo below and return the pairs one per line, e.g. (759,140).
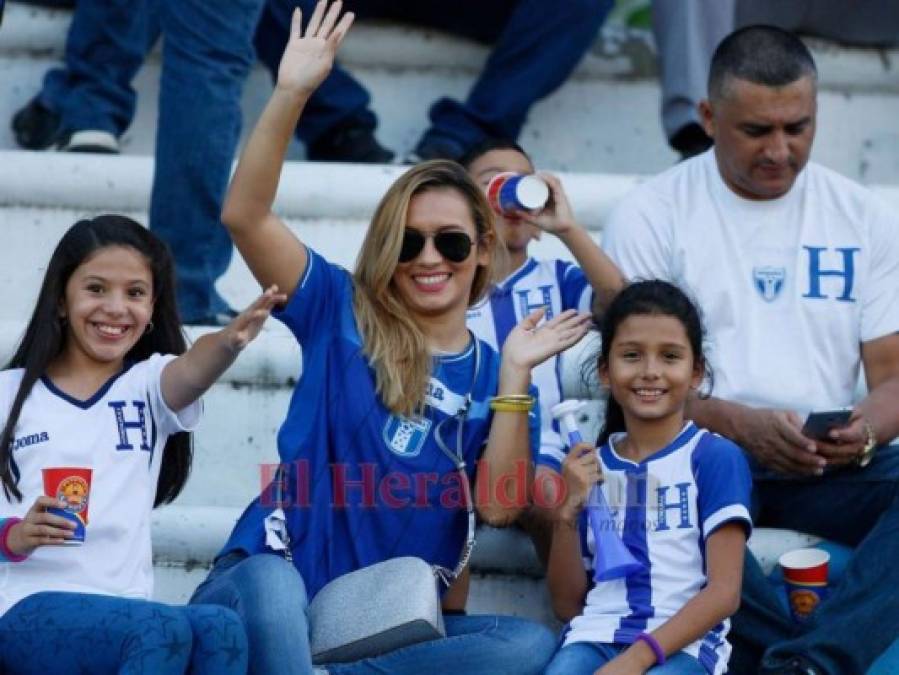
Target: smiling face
(651,369)
(763,135)
(107,305)
(512,230)
(429,284)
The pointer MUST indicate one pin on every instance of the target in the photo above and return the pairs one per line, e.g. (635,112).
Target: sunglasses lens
(454,246)
(413,242)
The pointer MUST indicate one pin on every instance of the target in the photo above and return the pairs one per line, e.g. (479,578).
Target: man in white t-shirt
(796,271)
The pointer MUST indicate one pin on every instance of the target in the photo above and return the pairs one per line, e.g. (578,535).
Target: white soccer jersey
(665,508)
(119,433)
(557,284)
(789,288)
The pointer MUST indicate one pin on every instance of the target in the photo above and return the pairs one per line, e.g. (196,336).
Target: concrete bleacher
(609,112)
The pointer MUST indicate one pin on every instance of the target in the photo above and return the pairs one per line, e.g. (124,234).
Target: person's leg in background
(82,633)
(89,102)
(207,55)
(856,624)
(338,123)
(475,645)
(536,46)
(686,34)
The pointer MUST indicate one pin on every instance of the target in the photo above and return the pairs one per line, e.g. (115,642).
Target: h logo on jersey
(124,426)
(769,281)
(816,273)
(404,436)
(546,300)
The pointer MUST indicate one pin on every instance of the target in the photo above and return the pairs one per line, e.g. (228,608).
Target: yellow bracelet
(512,403)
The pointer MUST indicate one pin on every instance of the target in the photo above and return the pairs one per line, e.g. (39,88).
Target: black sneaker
(36,127)
(429,149)
(349,143)
(690,140)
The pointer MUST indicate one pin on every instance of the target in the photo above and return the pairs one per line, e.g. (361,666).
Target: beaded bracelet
(6,555)
(512,403)
(654,646)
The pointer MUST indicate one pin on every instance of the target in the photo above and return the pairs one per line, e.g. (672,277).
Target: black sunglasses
(452,245)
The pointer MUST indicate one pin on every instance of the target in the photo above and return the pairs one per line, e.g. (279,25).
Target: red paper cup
(805,578)
(493,187)
(71,485)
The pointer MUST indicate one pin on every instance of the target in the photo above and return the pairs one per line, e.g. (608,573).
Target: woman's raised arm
(272,252)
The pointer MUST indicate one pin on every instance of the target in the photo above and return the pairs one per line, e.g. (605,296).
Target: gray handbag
(391,604)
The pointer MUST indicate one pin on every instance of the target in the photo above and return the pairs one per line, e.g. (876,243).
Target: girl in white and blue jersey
(103,381)
(678,497)
(370,445)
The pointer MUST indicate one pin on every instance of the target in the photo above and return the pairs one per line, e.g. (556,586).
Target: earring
(149,328)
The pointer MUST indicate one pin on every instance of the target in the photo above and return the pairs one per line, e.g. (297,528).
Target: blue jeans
(536,45)
(80,633)
(860,620)
(584,658)
(207,54)
(269,595)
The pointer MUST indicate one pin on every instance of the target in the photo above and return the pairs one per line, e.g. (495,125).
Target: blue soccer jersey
(558,285)
(366,485)
(665,508)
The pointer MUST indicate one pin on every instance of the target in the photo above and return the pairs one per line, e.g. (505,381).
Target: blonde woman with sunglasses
(395,395)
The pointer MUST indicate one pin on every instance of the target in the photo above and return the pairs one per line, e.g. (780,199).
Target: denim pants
(584,658)
(860,620)
(536,45)
(56,632)
(269,595)
(207,54)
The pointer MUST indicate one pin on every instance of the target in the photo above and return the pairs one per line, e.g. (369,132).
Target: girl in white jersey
(678,496)
(96,383)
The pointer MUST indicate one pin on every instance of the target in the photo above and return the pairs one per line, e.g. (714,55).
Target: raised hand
(40,528)
(309,55)
(244,328)
(529,345)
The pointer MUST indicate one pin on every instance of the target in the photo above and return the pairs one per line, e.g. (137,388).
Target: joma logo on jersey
(136,423)
(404,436)
(29,440)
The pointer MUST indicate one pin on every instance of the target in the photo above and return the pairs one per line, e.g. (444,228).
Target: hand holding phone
(819,424)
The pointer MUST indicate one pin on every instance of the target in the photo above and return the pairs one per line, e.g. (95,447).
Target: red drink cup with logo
(805,577)
(72,486)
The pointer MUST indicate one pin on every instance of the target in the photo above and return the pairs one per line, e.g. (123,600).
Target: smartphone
(819,424)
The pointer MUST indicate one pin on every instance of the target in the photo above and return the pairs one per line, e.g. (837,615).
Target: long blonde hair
(392,340)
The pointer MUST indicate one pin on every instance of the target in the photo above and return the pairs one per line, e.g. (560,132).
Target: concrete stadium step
(604,119)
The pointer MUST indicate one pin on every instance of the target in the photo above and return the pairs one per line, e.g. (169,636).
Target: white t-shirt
(665,508)
(557,284)
(789,288)
(120,433)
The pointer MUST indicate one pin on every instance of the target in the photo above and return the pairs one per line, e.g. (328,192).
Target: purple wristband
(654,646)
(5,527)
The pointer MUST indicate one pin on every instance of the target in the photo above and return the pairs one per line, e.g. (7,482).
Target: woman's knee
(526,644)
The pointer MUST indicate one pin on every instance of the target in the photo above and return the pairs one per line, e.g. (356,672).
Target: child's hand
(246,325)
(308,58)
(39,528)
(529,345)
(556,217)
(580,471)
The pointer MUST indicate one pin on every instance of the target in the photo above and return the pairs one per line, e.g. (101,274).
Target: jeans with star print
(56,632)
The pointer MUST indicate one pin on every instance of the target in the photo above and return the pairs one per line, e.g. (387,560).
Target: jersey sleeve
(168,421)
(639,237)
(574,288)
(880,306)
(723,483)
(317,300)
